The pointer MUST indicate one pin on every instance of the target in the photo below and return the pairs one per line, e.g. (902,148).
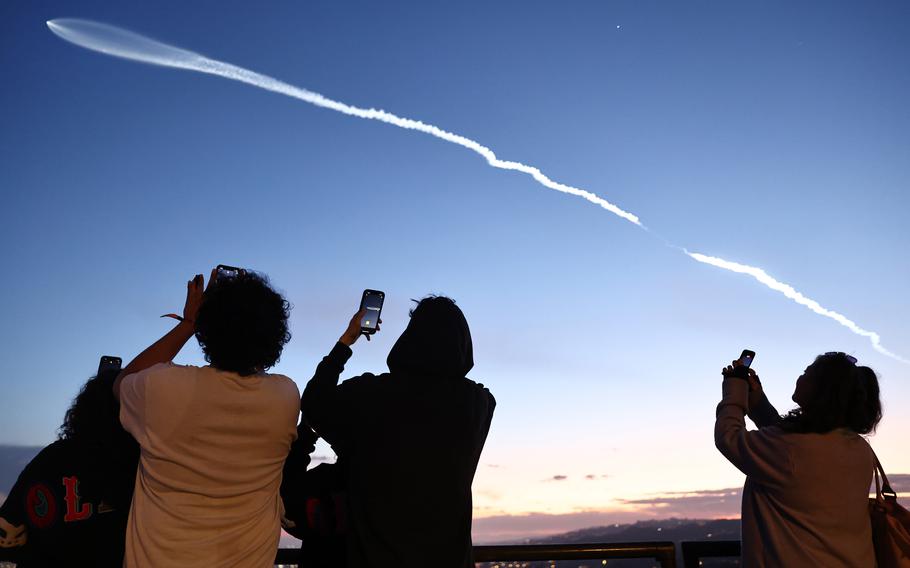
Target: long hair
(93,424)
(94,415)
(844,396)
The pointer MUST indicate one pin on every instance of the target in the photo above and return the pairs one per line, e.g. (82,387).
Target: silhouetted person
(70,504)
(805,501)
(410,440)
(213,439)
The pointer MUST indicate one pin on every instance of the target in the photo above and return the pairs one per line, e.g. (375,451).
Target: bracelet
(179,318)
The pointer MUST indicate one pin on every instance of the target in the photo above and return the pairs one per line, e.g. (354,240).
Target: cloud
(721,503)
(710,503)
(593,476)
(900,482)
(517,528)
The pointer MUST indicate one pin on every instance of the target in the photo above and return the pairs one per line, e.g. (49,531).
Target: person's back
(817,513)
(416,445)
(410,440)
(213,439)
(806,497)
(213,446)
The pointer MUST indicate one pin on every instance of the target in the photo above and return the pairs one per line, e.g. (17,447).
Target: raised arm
(761,411)
(321,400)
(166,348)
(763,454)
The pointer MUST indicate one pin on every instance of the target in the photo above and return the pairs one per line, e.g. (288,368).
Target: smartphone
(109,364)
(747,357)
(225,271)
(372,303)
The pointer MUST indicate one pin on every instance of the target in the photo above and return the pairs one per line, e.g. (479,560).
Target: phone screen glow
(372,303)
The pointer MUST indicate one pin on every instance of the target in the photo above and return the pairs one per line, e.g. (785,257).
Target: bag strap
(885,488)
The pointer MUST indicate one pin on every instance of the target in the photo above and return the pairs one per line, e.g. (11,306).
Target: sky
(774,134)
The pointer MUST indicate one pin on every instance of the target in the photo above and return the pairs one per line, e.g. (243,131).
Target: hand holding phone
(371,304)
(366,321)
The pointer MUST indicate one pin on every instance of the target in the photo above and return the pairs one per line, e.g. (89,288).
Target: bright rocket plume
(118,42)
(128,45)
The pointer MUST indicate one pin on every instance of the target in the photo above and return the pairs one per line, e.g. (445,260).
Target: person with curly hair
(806,497)
(213,439)
(69,505)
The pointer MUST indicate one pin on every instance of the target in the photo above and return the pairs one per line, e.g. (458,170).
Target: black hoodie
(411,439)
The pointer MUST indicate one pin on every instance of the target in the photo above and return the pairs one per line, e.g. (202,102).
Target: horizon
(764,135)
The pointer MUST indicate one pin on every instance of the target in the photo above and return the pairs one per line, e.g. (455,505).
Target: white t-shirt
(213,447)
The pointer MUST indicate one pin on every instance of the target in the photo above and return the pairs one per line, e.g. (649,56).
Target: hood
(437,342)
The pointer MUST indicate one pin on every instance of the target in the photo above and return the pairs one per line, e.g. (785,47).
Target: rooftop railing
(664,553)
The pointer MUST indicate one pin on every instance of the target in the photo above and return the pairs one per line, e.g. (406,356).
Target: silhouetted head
(94,415)
(834,392)
(437,341)
(242,324)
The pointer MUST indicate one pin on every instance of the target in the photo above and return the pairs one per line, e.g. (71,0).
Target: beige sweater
(805,501)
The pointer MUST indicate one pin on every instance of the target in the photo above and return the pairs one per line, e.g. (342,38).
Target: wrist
(348,340)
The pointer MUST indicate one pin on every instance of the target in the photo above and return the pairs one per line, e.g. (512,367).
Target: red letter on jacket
(73,511)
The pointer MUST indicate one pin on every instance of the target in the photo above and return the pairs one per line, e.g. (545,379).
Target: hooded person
(409,439)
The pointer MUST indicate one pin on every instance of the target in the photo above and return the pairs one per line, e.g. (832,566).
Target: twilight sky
(772,135)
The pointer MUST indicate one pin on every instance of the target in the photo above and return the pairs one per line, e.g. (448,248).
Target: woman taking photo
(806,496)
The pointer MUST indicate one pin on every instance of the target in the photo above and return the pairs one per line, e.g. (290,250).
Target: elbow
(724,436)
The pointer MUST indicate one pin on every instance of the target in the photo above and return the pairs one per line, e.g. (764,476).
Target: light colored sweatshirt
(805,501)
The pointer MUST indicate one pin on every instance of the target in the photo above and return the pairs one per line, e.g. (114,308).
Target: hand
(754,382)
(194,289)
(736,369)
(353,332)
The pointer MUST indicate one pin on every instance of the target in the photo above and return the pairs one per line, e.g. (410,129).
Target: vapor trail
(797,297)
(128,45)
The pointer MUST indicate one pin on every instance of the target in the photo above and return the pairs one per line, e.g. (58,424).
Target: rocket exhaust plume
(797,297)
(128,45)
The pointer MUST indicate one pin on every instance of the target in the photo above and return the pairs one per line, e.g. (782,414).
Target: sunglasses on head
(850,358)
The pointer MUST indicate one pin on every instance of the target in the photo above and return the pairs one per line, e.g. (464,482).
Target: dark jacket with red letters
(69,506)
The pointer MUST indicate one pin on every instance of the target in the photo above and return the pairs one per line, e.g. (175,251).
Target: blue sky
(771,134)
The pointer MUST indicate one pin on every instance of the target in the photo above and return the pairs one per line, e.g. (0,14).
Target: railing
(693,551)
(663,552)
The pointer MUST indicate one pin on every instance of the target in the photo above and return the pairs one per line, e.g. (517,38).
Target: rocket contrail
(128,45)
(797,297)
